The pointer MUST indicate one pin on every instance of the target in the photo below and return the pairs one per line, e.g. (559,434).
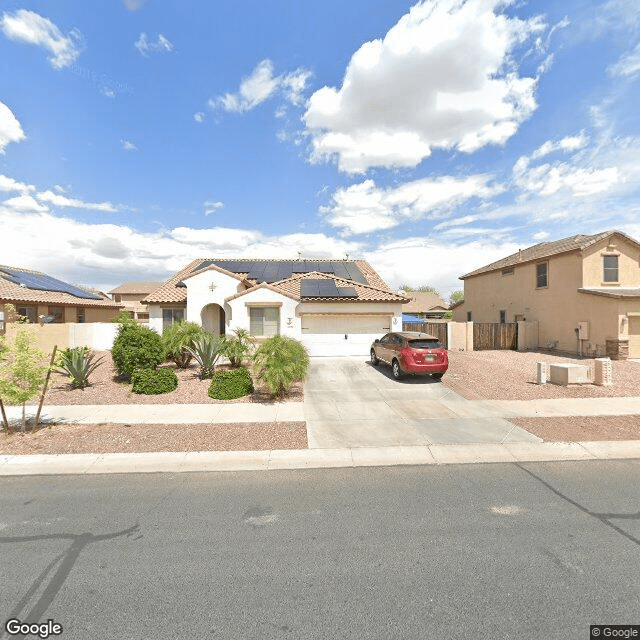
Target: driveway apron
(350,403)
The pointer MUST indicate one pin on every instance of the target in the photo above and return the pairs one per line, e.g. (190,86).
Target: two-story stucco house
(583,292)
(334,307)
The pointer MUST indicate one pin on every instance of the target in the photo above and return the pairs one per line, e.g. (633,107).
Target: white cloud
(127,145)
(10,129)
(628,65)
(261,85)
(9,184)
(144,46)
(32,28)
(443,77)
(364,207)
(567,144)
(62,201)
(23,203)
(549,178)
(540,236)
(134,5)
(437,263)
(198,117)
(109,254)
(211,207)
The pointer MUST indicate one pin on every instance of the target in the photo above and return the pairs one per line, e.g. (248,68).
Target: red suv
(411,352)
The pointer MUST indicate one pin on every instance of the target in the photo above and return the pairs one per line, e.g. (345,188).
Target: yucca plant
(206,350)
(177,340)
(237,347)
(78,363)
(279,361)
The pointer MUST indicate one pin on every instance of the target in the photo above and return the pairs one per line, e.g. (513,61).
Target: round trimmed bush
(152,383)
(137,347)
(229,385)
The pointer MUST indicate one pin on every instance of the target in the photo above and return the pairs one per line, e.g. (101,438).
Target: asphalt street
(527,550)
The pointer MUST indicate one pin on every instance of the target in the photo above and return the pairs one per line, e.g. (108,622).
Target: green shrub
(237,347)
(178,339)
(228,385)
(279,361)
(78,363)
(124,317)
(136,347)
(206,350)
(151,382)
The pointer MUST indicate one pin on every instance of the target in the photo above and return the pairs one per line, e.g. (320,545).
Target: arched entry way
(212,317)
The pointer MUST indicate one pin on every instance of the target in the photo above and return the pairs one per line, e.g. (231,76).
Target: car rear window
(423,343)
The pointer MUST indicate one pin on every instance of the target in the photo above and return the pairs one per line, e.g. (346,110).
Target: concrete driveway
(350,403)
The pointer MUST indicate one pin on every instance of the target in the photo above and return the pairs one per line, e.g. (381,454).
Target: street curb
(271,460)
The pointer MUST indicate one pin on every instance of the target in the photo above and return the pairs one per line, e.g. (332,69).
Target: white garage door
(346,335)
(634,336)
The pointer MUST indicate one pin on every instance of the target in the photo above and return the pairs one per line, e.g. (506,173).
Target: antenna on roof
(299,255)
(346,256)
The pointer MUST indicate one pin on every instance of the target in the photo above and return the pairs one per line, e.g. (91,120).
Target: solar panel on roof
(256,271)
(341,271)
(347,292)
(270,273)
(308,288)
(355,273)
(43,282)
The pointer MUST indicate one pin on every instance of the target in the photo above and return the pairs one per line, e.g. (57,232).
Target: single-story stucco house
(334,307)
(40,298)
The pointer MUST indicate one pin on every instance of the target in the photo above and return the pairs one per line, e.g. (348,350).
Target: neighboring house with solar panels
(335,307)
(43,299)
(130,294)
(582,292)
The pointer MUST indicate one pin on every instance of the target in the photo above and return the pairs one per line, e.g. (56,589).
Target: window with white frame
(264,321)
(610,268)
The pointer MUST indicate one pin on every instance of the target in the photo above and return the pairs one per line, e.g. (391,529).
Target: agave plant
(78,363)
(206,350)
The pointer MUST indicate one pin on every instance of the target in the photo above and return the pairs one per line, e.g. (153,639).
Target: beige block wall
(628,263)
(46,336)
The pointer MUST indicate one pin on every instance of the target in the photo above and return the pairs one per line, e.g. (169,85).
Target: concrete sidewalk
(208,461)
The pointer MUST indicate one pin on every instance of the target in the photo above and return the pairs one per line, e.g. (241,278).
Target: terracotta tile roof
(10,292)
(136,287)
(546,250)
(262,285)
(612,292)
(375,290)
(421,301)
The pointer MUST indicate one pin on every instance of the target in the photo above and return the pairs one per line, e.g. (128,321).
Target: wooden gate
(495,335)
(437,329)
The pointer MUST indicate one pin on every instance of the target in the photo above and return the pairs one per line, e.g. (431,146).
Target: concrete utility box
(603,373)
(565,374)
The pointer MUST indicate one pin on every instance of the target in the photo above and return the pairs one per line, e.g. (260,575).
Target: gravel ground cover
(511,375)
(582,428)
(125,438)
(105,389)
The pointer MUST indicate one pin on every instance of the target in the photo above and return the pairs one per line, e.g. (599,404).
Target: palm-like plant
(206,350)
(178,339)
(279,361)
(237,347)
(78,363)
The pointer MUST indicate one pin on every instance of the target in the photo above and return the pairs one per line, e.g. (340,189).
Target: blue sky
(429,138)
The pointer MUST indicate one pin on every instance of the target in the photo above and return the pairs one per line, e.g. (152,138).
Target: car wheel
(437,376)
(396,370)
(374,359)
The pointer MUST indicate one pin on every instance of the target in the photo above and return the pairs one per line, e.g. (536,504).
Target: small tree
(22,370)
(456,296)
(279,361)
(178,339)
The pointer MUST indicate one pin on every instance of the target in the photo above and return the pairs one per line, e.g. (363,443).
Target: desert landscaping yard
(511,375)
